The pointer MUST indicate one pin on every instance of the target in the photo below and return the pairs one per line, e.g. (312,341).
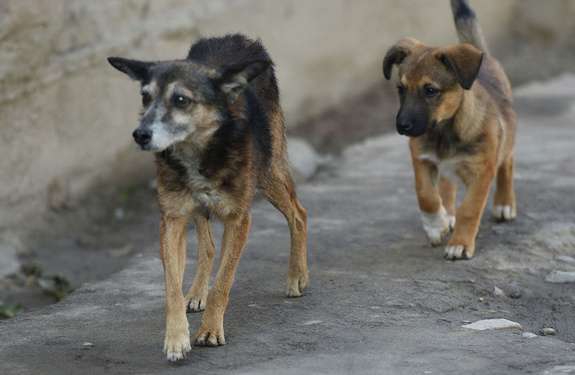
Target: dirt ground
(381,301)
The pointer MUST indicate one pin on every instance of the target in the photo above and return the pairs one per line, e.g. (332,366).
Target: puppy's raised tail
(466,24)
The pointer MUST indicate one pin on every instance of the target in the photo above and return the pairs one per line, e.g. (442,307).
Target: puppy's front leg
(468,215)
(173,254)
(434,218)
(211,331)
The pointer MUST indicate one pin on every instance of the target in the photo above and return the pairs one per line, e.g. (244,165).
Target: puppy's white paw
(504,213)
(437,225)
(176,346)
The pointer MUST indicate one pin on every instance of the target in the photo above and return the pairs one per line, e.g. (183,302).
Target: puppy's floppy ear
(136,70)
(464,61)
(233,79)
(396,54)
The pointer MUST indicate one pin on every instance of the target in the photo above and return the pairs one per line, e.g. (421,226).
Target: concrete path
(381,301)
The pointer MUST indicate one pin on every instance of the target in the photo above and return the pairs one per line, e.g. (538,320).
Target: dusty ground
(381,301)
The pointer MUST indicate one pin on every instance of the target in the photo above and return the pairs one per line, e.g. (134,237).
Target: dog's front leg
(173,254)
(211,331)
(198,294)
(436,222)
(468,215)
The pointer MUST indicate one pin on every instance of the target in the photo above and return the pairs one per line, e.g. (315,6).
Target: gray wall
(66,116)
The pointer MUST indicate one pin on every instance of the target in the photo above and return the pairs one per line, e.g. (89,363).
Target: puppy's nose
(404,127)
(142,136)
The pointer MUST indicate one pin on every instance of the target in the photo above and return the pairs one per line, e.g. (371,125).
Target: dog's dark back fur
(235,49)
(246,127)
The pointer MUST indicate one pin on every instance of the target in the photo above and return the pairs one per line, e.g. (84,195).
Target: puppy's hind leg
(198,294)
(279,189)
(504,205)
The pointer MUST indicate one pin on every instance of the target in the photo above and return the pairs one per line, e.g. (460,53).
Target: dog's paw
(458,252)
(197,303)
(437,226)
(177,345)
(210,336)
(296,284)
(504,213)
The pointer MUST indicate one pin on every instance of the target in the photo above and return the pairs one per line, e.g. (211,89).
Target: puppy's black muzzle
(411,125)
(143,137)
(404,128)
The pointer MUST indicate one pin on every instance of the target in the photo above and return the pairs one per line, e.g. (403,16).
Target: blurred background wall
(66,116)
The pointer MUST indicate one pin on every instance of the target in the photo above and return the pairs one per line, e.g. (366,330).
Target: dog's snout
(142,136)
(404,127)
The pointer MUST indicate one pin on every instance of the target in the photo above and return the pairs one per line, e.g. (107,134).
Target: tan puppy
(456,105)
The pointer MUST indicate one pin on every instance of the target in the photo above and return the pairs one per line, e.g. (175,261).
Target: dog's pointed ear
(396,54)
(135,69)
(234,79)
(464,61)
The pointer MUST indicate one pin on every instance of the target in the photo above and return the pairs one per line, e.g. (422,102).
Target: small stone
(489,324)
(560,370)
(153,184)
(529,335)
(87,345)
(303,159)
(560,277)
(548,331)
(515,294)
(121,251)
(119,213)
(312,322)
(481,299)
(566,259)
(498,292)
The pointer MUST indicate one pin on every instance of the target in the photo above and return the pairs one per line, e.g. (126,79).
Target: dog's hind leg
(198,294)
(504,205)
(211,331)
(173,253)
(279,189)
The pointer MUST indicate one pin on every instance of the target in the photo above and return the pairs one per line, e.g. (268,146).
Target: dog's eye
(146,99)
(180,101)
(430,91)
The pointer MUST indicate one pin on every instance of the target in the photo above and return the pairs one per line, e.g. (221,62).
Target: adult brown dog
(456,105)
(216,127)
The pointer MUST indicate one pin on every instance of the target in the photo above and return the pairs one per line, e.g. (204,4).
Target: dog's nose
(404,126)
(142,136)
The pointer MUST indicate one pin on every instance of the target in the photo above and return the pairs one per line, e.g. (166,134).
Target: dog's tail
(466,24)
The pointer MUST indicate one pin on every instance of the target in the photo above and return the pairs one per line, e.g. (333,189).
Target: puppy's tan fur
(470,136)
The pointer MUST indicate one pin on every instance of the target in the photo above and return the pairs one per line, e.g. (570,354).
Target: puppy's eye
(430,91)
(180,101)
(146,99)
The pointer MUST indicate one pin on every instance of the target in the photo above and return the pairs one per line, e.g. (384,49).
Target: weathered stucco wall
(66,116)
